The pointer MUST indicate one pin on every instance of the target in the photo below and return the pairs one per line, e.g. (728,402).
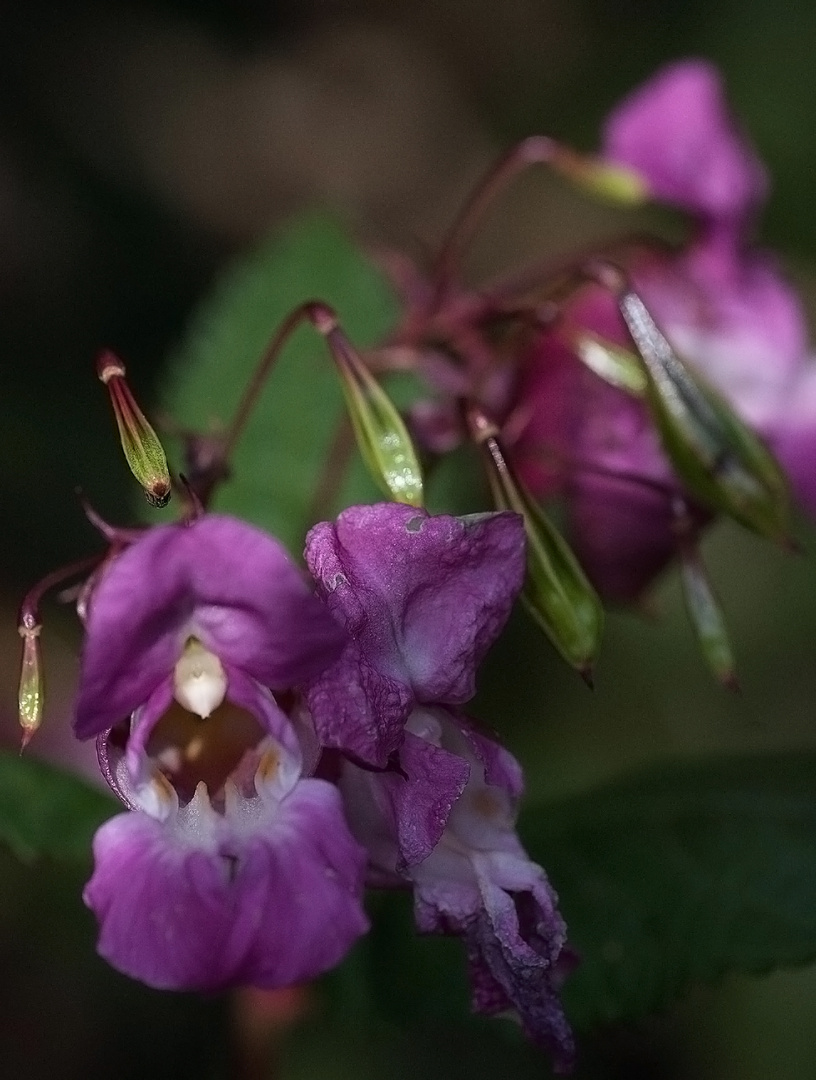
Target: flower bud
(382,437)
(717,456)
(556,591)
(143,450)
(617,366)
(611,183)
(30,696)
(706,617)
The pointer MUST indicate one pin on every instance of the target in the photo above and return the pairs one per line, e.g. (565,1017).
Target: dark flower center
(189,749)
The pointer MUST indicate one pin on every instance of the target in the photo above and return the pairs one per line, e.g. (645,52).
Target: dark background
(143,144)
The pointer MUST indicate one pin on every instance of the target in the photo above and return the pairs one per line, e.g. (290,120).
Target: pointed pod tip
(791,545)
(158,493)
(729,680)
(587,673)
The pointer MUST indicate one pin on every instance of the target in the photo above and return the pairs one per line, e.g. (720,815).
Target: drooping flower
(232,865)
(478,882)
(724,306)
(432,800)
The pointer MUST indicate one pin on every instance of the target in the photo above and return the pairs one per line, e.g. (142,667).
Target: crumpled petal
(476,882)
(505,911)
(423,598)
(514,948)
(677,132)
(268,896)
(219,579)
(400,814)
(500,768)
(359,709)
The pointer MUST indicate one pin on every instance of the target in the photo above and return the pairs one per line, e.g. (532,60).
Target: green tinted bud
(707,618)
(382,437)
(143,450)
(718,457)
(614,184)
(619,367)
(611,183)
(556,592)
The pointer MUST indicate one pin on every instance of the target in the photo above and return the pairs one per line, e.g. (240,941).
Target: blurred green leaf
(283,453)
(47,812)
(411,977)
(680,874)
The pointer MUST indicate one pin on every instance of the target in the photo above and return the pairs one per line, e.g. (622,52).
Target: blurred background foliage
(142,145)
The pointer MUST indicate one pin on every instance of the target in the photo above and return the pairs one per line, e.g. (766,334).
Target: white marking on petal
(157,797)
(423,723)
(199,680)
(277,773)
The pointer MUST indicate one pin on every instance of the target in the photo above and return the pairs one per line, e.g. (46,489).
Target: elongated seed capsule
(382,437)
(30,697)
(143,450)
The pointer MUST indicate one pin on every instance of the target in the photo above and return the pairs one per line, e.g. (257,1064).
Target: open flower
(725,308)
(233,865)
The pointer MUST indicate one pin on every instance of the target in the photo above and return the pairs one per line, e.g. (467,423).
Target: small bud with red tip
(143,450)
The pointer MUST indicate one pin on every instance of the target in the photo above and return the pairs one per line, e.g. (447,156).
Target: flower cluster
(281,739)
(726,309)
(527,347)
(279,742)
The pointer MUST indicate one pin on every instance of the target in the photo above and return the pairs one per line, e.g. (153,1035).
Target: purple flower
(677,133)
(232,866)
(478,882)
(724,306)
(423,598)
(596,448)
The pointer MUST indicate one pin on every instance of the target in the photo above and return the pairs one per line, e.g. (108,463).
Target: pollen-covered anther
(199,680)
